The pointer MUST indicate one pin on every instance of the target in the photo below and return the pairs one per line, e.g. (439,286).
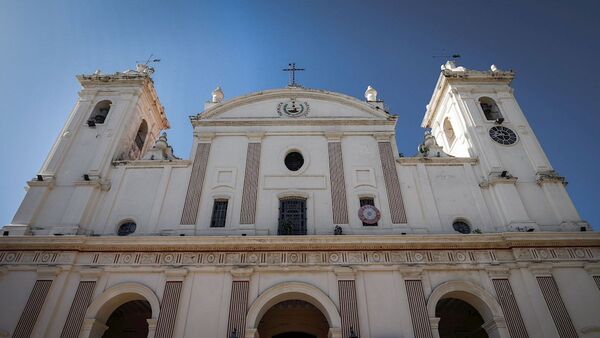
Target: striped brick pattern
(237,308)
(392,183)
(514,321)
(82,300)
(168,310)
(557,308)
(597,280)
(248,212)
(348,307)
(192,199)
(338,184)
(32,309)
(418,309)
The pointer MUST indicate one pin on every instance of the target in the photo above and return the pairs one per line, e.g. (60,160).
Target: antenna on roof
(452,56)
(149,60)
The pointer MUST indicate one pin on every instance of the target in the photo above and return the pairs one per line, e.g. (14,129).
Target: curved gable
(317,104)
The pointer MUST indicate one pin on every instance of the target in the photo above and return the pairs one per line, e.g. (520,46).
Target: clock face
(369,214)
(503,135)
(293,108)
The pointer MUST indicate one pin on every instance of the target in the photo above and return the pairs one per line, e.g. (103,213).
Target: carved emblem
(369,214)
(293,108)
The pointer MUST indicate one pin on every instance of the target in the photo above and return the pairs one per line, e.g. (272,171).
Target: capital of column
(411,273)
(494,325)
(92,328)
(204,137)
(48,273)
(541,270)
(383,136)
(592,268)
(241,274)
(90,274)
(255,137)
(344,273)
(498,272)
(176,275)
(333,136)
(434,322)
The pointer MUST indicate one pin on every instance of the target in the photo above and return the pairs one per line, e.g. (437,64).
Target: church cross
(292,69)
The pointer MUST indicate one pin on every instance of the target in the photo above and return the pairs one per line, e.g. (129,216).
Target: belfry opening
(293,318)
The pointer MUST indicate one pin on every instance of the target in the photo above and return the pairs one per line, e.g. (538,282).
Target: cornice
(437,160)
(295,122)
(301,243)
(286,93)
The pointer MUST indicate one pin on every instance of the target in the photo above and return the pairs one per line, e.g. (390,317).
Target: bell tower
(475,114)
(116,118)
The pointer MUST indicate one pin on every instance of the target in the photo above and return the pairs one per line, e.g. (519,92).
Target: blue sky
(344,45)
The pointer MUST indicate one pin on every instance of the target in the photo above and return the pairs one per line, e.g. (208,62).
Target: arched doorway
(108,312)
(456,301)
(458,319)
(293,319)
(129,320)
(285,310)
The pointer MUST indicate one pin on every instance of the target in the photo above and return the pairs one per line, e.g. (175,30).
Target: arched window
(140,136)
(449,132)
(100,112)
(490,109)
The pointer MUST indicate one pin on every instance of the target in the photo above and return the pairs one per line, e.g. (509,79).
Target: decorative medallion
(293,108)
(503,135)
(369,214)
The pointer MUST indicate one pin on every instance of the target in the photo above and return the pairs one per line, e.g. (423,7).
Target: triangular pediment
(293,103)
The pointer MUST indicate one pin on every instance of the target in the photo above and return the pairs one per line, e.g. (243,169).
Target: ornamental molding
(437,161)
(576,249)
(549,176)
(509,240)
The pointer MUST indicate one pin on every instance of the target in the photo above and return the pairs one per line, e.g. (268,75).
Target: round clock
(293,108)
(369,214)
(503,135)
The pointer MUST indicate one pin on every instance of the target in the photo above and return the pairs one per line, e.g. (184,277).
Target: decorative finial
(493,68)
(371,94)
(217,95)
(97,72)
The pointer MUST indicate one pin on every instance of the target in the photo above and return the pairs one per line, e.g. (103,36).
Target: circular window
(294,161)
(503,135)
(462,227)
(126,228)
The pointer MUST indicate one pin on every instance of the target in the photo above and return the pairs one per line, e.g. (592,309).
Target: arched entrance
(458,319)
(120,311)
(293,309)
(129,320)
(293,319)
(464,301)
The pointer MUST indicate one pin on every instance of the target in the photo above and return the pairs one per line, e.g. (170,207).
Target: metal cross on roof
(292,69)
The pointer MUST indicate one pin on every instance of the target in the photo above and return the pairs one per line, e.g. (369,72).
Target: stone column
(251,175)
(238,304)
(169,305)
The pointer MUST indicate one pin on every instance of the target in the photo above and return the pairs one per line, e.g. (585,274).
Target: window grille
(219,214)
(367,201)
(292,217)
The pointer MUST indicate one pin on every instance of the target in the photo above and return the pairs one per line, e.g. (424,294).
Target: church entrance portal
(129,320)
(458,319)
(293,319)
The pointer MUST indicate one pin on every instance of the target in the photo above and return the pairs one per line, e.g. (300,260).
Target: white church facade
(296,216)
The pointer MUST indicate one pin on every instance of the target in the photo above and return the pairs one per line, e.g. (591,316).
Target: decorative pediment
(293,103)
